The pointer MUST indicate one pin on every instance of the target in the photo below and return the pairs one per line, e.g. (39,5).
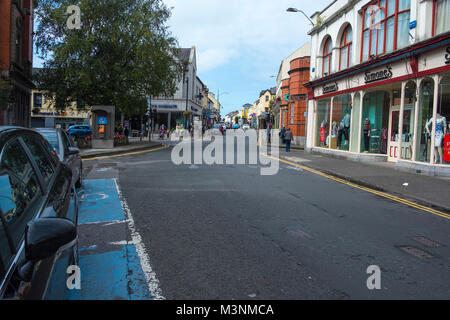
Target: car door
(72,160)
(22,196)
(60,202)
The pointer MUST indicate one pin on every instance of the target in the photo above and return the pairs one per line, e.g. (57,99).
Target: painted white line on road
(152,281)
(103,222)
(121,243)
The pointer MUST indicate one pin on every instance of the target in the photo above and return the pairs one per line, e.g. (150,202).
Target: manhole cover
(427,242)
(416,252)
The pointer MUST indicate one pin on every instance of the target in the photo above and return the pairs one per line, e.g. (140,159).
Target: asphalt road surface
(226,232)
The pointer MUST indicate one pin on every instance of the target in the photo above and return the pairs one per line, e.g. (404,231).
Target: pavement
(426,190)
(135,144)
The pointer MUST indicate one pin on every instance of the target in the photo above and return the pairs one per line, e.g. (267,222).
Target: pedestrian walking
(126,132)
(282,134)
(288,138)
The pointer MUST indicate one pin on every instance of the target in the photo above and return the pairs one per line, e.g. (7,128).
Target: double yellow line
(126,154)
(378,193)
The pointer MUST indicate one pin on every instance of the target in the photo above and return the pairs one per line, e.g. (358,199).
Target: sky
(239,43)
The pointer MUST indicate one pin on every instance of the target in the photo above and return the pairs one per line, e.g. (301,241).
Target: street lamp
(297,10)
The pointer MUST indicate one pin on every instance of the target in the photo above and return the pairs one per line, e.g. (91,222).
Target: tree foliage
(122,53)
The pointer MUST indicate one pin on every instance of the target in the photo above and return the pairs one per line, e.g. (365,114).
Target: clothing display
(441,124)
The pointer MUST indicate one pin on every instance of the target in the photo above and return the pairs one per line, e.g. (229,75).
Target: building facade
(290,105)
(186,104)
(45,115)
(379,86)
(16,61)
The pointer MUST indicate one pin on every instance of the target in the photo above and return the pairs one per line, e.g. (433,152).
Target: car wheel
(79,183)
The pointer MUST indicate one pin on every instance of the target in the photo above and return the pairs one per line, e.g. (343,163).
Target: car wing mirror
(73,150)
(44,237)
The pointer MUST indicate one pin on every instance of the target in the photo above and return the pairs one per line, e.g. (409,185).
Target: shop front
(396,111)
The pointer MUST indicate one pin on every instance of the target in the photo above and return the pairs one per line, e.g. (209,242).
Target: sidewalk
(134,145)
(425,190)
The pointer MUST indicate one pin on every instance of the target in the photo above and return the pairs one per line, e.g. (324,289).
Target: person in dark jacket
(282,134)
(288,137)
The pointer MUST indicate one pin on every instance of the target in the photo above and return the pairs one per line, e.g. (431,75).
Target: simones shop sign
(372,76)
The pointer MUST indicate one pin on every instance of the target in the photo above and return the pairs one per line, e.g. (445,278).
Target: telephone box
(103,127)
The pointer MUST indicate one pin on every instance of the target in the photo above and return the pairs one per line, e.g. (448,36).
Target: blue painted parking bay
(109,263)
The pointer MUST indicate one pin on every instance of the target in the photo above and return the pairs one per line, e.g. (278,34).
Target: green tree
(122,53)
(236,119)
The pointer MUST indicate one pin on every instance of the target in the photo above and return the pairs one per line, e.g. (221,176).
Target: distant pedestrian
(126,132)
(288,138)
(282,134)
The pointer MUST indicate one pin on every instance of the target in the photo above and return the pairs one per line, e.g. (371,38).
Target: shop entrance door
(393,151)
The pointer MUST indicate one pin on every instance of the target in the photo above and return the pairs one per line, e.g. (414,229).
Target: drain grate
(427,242)
(416,252)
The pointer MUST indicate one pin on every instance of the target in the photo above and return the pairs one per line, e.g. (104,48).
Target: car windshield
(52,137)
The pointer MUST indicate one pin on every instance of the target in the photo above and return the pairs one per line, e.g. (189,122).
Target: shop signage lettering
(378,75)
(447,56)
(330,88)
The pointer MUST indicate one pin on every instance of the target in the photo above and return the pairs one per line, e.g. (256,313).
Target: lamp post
(297,10)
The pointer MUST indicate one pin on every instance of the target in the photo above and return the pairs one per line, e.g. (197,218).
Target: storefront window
(443,121)
(375,120)
(356,108)
(408,121)
(426,93)
(340,122)
(322,123)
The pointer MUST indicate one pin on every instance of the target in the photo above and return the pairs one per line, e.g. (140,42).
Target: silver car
(66,151)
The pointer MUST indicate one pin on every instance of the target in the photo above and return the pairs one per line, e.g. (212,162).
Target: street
(226,232)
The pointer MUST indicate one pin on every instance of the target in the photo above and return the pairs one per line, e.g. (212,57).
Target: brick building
(16,60)
(293,105)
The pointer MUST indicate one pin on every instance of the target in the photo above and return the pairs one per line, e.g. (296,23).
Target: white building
(171,110)
(382,70)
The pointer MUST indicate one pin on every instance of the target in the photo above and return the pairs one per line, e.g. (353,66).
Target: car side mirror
(45,236)
(73,150)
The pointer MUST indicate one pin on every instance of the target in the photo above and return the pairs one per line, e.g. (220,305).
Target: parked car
(235,126)
(39,213)
(245,126)
(79,131)
(66,151)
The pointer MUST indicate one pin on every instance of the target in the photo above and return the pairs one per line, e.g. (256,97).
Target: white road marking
(121,243)
(152,281)
(106,224)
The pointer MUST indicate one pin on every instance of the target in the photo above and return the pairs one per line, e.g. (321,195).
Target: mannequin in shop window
(366,133)
(344,128)
(441,130)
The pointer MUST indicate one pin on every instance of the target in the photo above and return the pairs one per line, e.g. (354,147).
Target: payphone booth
(103,127)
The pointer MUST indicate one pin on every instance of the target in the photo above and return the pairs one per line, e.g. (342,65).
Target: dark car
(79,131)
(39,213)
(66,152)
